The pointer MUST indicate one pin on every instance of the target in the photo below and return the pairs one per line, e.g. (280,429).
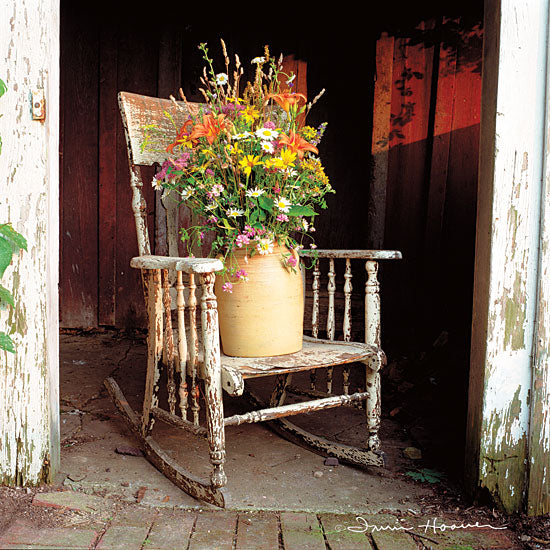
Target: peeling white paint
(29,179)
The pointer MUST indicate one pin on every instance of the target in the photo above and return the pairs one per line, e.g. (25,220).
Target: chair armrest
(188,265)
(354,254)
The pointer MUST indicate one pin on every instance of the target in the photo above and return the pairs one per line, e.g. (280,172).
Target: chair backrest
(147,147)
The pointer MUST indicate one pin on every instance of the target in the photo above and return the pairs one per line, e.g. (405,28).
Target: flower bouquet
(246,165)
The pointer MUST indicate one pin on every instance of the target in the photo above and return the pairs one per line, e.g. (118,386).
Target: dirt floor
(432,486)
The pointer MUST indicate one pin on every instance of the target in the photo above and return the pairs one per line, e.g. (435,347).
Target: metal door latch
(38,105)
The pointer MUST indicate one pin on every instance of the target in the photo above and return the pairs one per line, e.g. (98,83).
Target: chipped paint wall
(507,273)
(29,194)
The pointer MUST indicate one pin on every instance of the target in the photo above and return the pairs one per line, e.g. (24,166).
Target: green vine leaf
(16,239)
(6,343)
(3,88)
(5,297)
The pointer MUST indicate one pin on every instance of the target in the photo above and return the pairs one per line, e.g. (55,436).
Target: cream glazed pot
(264,315)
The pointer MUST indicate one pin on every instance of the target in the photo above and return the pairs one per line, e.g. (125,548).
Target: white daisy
(186,193)
(242,135)
(264,246)
(221,79)
(267,147)
(234,213)
(266,134)
(282,204)
(256,192)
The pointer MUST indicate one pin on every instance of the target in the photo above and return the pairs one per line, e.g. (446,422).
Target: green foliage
(425,475)
(10,243)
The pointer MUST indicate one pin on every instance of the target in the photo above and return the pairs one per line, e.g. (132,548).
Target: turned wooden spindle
(182,346)
(193,348)
(331,323)
(348,287)
(315,286)
(169,341)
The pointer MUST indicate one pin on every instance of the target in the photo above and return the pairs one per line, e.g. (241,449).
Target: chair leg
(154,349)
(373,409)
(213,382)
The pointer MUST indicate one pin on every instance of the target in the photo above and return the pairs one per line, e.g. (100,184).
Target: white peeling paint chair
(187,346)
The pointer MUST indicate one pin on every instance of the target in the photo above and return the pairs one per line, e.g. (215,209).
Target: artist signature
(432,525)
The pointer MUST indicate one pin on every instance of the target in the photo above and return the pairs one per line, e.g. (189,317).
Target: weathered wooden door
(508,450)
(29,190)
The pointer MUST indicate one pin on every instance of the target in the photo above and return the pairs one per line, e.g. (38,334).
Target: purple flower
(291,261)
(227,287)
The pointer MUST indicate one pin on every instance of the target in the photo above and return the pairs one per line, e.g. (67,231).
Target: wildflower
(221,79)
(286,100)
(270,124)
(157,183)
(286,160)
(241,136)
(227,287)
(249,162)
(282,204)
(242,275)
(234,212)
(264,246)
(258,60)
(256,192)
(267,147)
(312,245)
(282,218)
(217,190)
(308,133)
(250,113)
(291,261)
(297,144)
(186,192)
(290,81)
(266,134)
(242,240)
(211,127)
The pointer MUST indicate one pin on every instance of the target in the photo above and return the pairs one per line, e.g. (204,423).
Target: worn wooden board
(79,196)
(29,200)
(507,261)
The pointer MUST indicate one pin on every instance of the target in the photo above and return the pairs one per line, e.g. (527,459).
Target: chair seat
(315,353)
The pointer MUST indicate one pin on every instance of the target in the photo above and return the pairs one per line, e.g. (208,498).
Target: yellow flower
(308,132)
(249,162)
(250,113)
(287,158)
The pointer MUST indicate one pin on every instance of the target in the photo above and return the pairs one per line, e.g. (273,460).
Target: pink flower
(269,124)
(291,261)
(227,287)
(282,218)
(241,240)
(241,274)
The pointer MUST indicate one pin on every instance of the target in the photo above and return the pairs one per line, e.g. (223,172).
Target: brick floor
(102,525)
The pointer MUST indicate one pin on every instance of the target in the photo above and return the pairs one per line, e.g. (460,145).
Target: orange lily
(285,100)
(297,144)
(212,125)
(182,137)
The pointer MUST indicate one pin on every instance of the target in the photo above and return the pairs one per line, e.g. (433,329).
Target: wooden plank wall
(424,185)
(426,123)
(98,288)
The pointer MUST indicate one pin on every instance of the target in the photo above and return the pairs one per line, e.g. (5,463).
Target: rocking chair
(190,352)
